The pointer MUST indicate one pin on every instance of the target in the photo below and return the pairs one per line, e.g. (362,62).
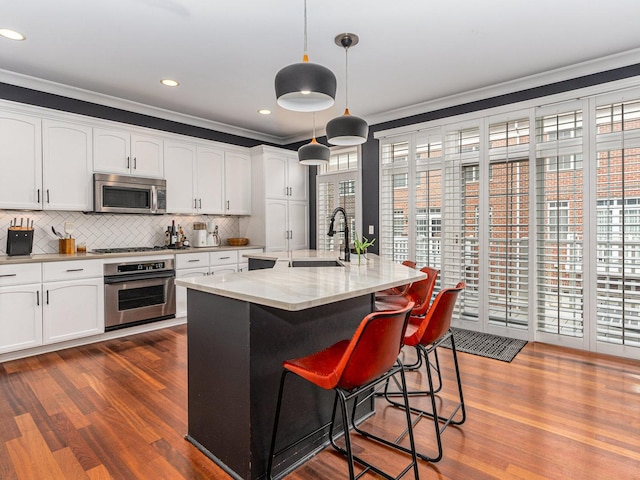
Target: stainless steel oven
(139,291)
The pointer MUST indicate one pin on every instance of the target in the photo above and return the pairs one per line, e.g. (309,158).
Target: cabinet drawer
(56,271)
(223,258)
(20,274)
(192,260)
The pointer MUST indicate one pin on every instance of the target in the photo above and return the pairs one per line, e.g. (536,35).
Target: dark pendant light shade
(313,153)
(347,130)
(305,87)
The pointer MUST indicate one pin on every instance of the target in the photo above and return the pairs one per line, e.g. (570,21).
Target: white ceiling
(225,53)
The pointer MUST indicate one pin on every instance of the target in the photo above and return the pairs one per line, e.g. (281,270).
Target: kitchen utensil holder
(19,241)
(67,245)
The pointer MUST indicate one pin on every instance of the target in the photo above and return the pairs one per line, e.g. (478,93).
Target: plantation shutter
(618,222)
(508,252)
(394,199)
(460,228)
(559,222)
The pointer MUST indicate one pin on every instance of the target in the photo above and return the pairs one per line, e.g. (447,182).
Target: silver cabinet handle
(195,203)
(199,203)
(9,275)
(38,196)
(47,297)
(191,261)
(228,205)
(75,270)
(128,162)
(48,199)
(38,297)
(135,162)
(225,258)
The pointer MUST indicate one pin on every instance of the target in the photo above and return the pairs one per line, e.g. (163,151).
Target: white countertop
(300,288)
(59,257)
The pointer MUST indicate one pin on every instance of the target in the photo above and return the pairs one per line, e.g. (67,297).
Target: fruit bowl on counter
(237,242)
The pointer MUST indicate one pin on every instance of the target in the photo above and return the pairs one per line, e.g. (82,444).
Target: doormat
(485,344)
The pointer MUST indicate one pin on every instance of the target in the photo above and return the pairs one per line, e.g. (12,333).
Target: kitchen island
(240,329)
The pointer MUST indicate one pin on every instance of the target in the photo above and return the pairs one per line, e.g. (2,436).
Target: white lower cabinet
(73,300)
(20,307)
(72,310)
(20,317)
(50,302)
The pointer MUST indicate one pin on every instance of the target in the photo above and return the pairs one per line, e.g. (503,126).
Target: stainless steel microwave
(124,194)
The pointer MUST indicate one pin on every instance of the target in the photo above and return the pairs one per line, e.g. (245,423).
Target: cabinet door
(276,226)
(297,179)
(179,168)
(210,180)
(147,156)
(111,151)
(20,161)
(20,317)
(66,166)
(275,181)
(298,225)
(72,310)
(237,174)
(181,292)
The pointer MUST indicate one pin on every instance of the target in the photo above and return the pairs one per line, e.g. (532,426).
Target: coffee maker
(200,235)
(213,238)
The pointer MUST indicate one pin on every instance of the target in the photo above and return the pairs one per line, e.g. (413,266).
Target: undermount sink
(316,263)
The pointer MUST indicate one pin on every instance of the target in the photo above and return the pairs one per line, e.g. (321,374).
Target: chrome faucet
(331,232)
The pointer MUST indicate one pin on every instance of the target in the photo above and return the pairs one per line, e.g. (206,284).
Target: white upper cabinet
(280,209)
(66,166)
(287,177)
(210,180)
(181,175)
(120,152)
(206,180)
(20,161)
(237,186)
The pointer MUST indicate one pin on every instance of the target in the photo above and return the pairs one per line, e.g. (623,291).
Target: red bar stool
(352,368)
(419,293)
(402,289)
(426,336)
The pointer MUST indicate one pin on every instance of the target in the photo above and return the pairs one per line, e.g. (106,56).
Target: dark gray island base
(235,354)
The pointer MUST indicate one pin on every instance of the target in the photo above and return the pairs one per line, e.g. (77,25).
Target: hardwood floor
(117,410)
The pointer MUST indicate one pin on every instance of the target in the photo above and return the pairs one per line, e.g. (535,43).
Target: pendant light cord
(306,57)
(346,88)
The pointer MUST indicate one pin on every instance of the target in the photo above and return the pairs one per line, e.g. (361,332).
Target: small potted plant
(362,245)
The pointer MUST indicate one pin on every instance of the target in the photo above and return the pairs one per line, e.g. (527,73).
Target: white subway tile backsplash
(108,230)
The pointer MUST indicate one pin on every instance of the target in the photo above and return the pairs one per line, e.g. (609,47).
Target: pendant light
(306,86)
(314,153)
(347,129)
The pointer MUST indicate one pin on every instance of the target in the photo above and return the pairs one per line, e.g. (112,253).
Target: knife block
(19,241)
(66,245)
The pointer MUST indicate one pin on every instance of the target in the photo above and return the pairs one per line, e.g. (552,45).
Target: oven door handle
(138,276)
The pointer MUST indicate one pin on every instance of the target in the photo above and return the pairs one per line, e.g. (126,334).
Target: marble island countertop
(300,288)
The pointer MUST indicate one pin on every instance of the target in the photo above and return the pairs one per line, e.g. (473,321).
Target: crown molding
(54,88)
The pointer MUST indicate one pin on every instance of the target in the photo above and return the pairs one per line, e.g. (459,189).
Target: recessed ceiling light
(11,34)
(169,83)
(264,111)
